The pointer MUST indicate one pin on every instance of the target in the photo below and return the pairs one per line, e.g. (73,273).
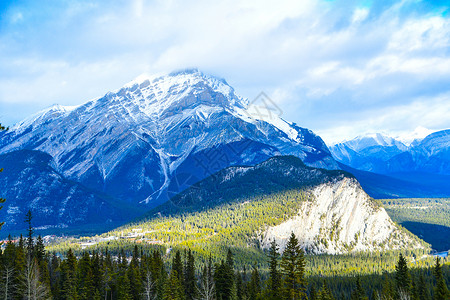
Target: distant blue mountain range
(388,168)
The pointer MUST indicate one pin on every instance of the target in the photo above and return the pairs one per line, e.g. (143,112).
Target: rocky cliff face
(332,214)
(341,218)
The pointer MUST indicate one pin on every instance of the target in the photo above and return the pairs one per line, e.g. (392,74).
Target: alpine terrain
(421,169)
(134,148)
(327,210)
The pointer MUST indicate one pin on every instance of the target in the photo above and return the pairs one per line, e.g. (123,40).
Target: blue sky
(340,68)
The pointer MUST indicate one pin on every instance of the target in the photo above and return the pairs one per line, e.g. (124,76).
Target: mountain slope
(368,153)
(157,135)
(387,168)
(431,155)
(251,206)
(55,201)
(382,154)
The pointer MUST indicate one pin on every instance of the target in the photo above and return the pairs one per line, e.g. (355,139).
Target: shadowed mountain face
(150,140)
(56,202)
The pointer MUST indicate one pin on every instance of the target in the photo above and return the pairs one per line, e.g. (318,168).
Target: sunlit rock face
(341,218)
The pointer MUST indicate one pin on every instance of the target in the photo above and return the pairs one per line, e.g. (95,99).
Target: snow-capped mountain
(157,135)
(430,155)
(383,154)
(368,152)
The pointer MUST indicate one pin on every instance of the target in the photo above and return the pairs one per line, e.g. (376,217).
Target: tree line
(27,271)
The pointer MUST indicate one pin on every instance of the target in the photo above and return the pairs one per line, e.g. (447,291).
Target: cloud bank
(340,68)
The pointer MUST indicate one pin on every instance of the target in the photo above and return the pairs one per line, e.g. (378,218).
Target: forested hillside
(428,218)
(30,272)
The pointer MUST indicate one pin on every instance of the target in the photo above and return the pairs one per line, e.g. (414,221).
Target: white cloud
(335,67)
(359,15)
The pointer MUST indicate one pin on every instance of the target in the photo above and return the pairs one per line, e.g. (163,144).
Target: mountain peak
(165,89)
(372,139)
(139,144)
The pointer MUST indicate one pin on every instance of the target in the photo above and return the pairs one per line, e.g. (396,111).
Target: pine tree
(293,267)
(358,293)
(85,277)
(19,267)
(255,284)
(39,250)
(124,288)
(422,289)
(229,266)
(30,230)
(189,277)
(220,281)
(106,269)
(55,276)
(96,266)
(325,293)
(239,286)
(224,278)
(402,275)
(68,277)
(177,265)
(173,288)
(414,290)
(274,274)
(135,276)
(388,290)
(440,291)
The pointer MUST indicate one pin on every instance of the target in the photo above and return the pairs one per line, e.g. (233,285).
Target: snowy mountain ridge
(157,135)
(384,154)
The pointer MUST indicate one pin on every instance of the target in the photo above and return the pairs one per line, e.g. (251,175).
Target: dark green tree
(85,278)
(274,273)
(124,287)
(55,276)
(135,276)
(177,265)
(358,293)
(189,277)
(39,250)
(19,267)
(239,286)
(440,291)
(422,289)
(325,293)
(224,278)
(30,230)
(173,288)
(255,285)
(402,275)
(69,277)
(312,293)
(293,269)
